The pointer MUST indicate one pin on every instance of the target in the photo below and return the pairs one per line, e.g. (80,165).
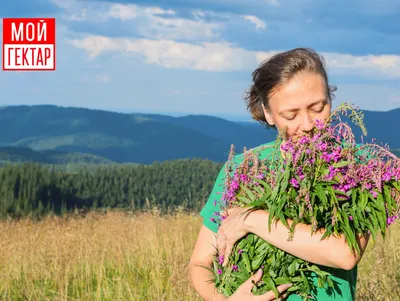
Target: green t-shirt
(345,281)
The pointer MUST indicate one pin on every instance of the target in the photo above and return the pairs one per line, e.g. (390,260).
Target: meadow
(135,256)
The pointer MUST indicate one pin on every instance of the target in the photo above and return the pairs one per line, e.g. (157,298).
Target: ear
(268,116)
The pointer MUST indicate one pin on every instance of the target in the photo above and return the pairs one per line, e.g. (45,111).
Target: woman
(290,91)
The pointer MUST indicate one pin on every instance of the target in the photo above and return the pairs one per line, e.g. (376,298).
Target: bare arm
(202,256)
(333,251)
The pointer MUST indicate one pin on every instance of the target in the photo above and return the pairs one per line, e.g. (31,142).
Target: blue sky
(196,56)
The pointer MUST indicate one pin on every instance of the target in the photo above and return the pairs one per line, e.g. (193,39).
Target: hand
(232,228)
(243,293)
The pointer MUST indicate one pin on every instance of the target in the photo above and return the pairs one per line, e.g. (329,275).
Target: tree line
(34,189)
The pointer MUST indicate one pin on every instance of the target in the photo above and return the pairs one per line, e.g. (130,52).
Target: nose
(307,123)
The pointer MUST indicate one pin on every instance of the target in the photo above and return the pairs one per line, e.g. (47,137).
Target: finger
(283,287)
(220,237)
(221,244)
(271,295)
(228,251)
(249,283)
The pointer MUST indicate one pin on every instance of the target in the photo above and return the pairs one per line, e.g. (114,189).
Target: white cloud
(198,14)
(376,97)
(179,29)
(171,54)
(368,65)
(78,16)
(223,56)
(65,4)
(260,24)
(131,11)
(157,23)
(394,100)
(273,2)
(158,11)
(104,78)
(123,12)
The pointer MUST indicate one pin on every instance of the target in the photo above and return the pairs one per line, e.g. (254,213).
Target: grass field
(117,256)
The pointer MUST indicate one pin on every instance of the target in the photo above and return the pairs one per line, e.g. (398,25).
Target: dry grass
(134,257)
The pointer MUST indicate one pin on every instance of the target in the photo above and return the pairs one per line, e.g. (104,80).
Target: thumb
(249,284)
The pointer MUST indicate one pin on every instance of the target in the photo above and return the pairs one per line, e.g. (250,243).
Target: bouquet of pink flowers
(324,179)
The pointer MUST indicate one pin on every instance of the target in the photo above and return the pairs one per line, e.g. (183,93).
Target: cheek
(292,127)
(326,112)
(324,115)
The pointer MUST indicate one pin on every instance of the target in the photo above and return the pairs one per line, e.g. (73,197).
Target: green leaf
(396,185)
(355,218)
(248,192)
(328,232)
(263,202)
(242,244)
(271,285)
(321,194)
(250,239)
(333,197)
(285,180)
(267,188)
(292,268)
(354,196)
(341,164)
(258,189)
(305,280)
(246,261)
(283,219)
(256,262)
(243,199)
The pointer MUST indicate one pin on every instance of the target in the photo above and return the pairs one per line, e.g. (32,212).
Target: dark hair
(278,69)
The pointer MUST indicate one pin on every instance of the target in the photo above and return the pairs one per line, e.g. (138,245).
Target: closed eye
(289,117)
(318,109)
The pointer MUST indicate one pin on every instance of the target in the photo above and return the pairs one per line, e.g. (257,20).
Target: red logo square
(29,44)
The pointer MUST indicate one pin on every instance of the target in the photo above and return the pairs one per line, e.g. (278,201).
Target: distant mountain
(24,154)
(380,128)
(240,134)
(139,138)
(52,134)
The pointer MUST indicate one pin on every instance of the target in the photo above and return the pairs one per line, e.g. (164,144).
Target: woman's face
(298,103)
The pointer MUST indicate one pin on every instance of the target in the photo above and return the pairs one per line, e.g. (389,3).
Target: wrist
(253,219)
(219,297)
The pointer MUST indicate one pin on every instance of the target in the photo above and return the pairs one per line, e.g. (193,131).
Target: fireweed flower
(294,183)
(304,140)
(319,124)
(339,180)
(234,185)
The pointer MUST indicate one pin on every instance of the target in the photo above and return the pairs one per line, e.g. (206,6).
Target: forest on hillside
(33,189)
(36,189)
